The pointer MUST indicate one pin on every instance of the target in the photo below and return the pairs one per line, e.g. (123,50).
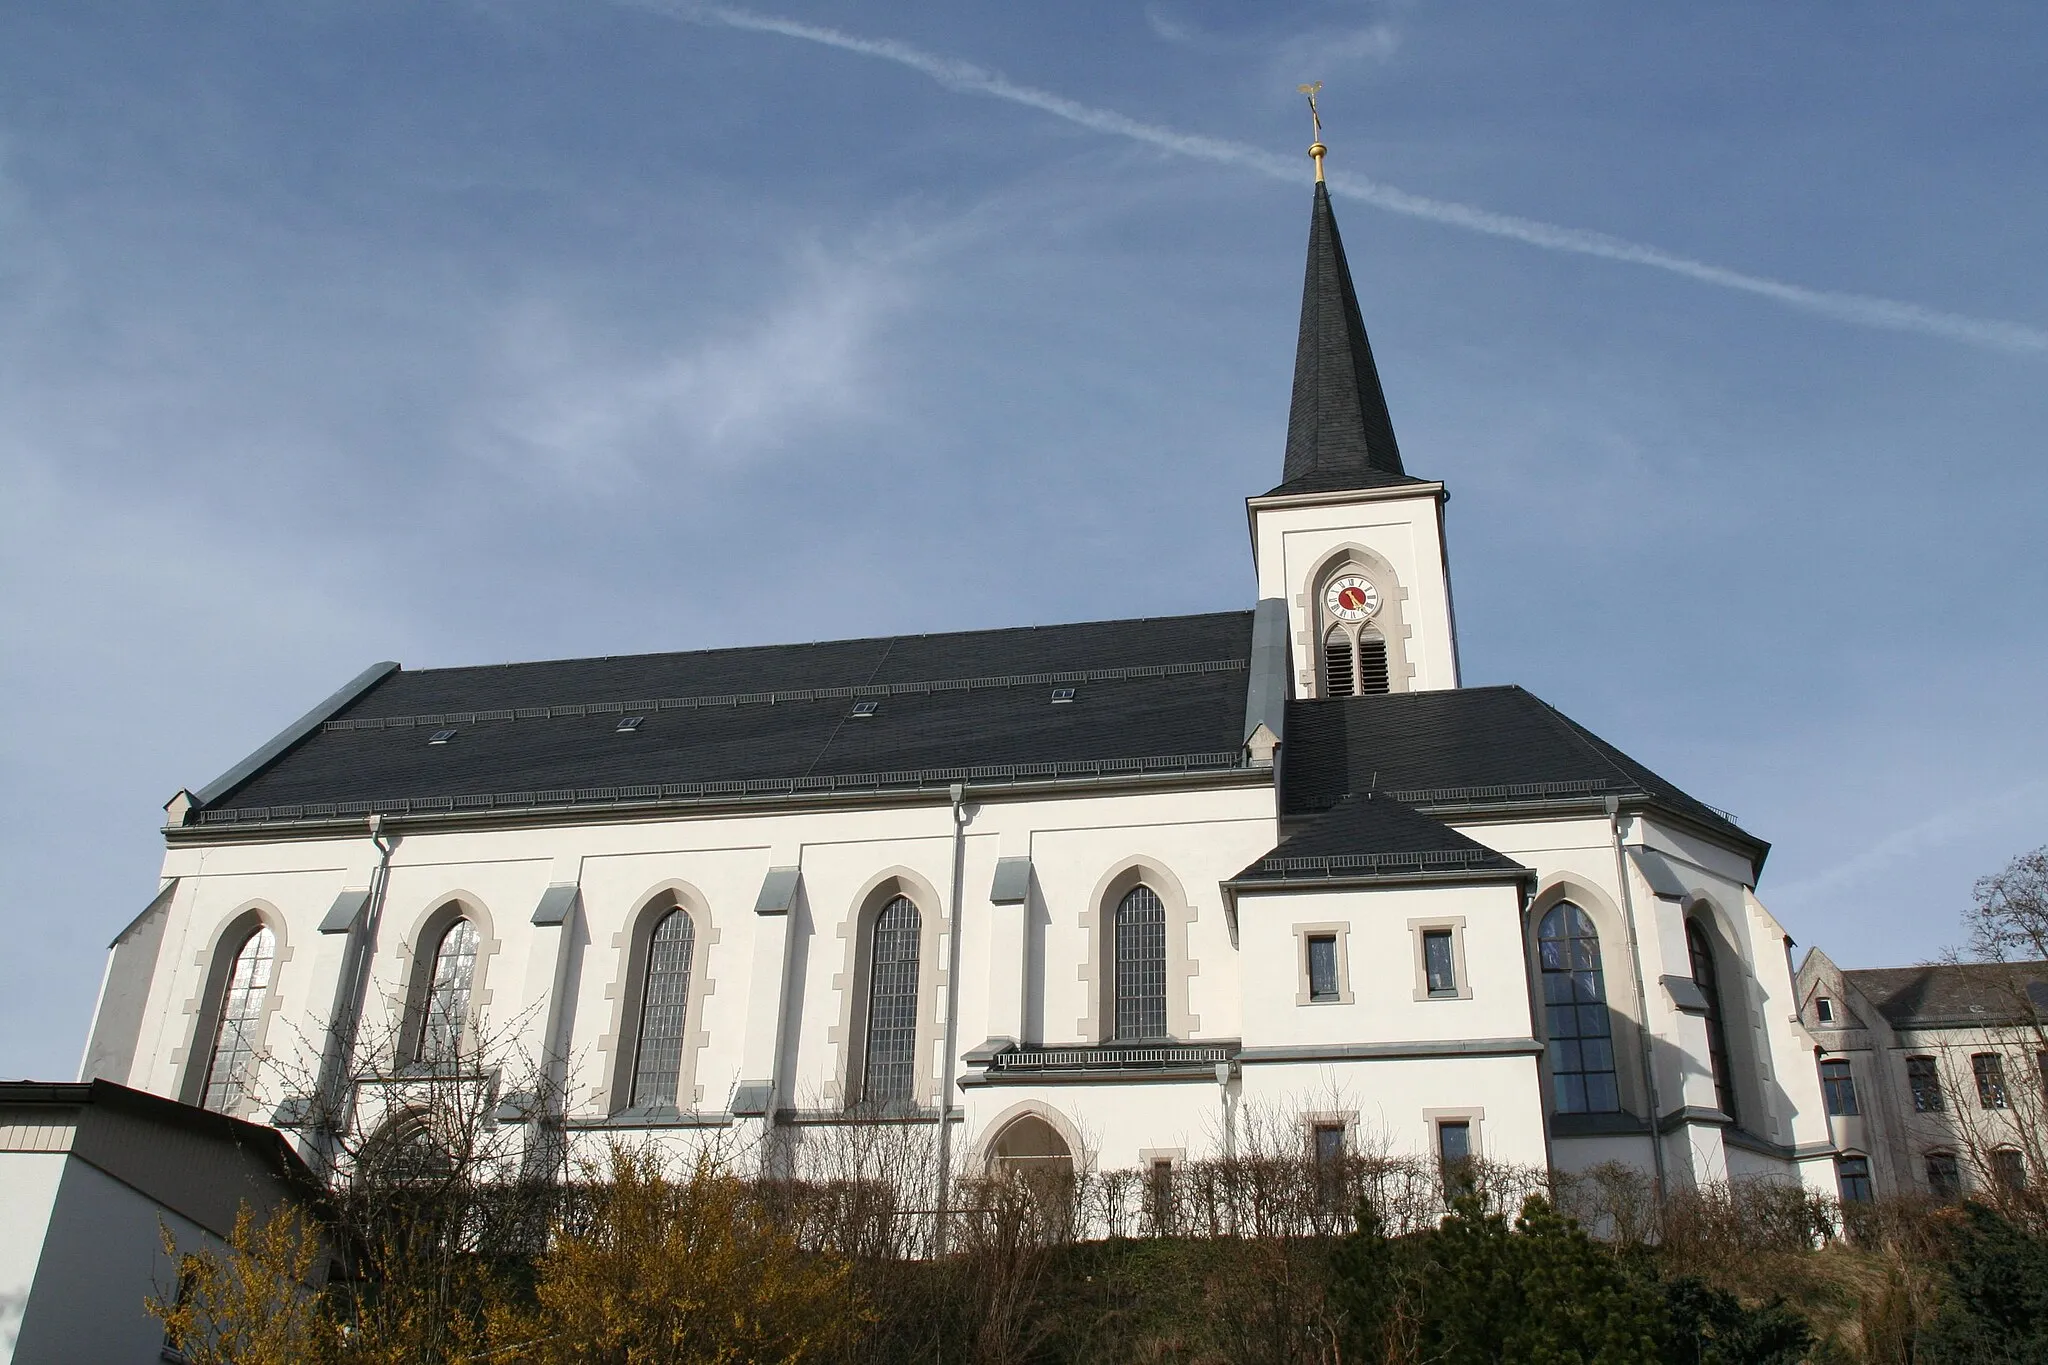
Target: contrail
(955,74)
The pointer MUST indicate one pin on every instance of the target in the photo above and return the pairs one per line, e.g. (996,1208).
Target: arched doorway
(1028,1143)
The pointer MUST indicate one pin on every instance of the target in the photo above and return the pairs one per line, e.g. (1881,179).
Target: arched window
(447,995)
(1575,1014)
(1140,965)
(890,1071)
(1707,979)
(1373,675)
(1355,663)
(231,1066)
(664,1004)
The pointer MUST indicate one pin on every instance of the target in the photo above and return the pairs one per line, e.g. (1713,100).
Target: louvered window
(664,1005)
(1140,966)
(232,1064)
(1372,665)
(1339,674)
(890,1073)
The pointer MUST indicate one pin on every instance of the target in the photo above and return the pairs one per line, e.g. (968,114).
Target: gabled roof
(1153,695)
(1339,433)
(1970,994)
(1371,836)
(1472,745)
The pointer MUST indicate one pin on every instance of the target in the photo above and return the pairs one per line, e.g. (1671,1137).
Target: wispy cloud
(1913,841)
(568,406)
(967,78)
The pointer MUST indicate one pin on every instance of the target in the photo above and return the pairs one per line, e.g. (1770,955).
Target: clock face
(1351,598)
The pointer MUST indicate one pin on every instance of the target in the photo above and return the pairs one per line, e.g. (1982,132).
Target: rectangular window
(1944,1178)
(2009,1169)
(1322,967)
(1162,1195)
(1329,1158)
(1838,1086)
(1454,1156)
(1925,1083)
(1989,1068)
(1438,965)
(1852,1174)
(1823,1009)
(2043,1061)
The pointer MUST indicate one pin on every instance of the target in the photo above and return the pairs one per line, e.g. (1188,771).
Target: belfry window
(1581,1035)
(889,1072)
(1355,663)
(446,1011)
(1707,979)
(664,1006)
(232,1064)
(1373,677)
(1140,966)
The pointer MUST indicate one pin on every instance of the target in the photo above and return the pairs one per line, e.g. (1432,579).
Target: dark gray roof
(1374,836)
(1474,744)
(1339,434)
(1972,993)
(1154,694)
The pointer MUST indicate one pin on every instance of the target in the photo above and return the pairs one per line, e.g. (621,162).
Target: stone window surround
(1741,1020)
(849,1035)
(1473,1115)
(1390,621)
(1341,931)
(217,960)
(1313,1119)
(1098,928)
(618,1049)
(416,968)
(1082,1154)
(1456,925)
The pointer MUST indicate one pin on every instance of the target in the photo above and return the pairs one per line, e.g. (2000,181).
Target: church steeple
(1339,435)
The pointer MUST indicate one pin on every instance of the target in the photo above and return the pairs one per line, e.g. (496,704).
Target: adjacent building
(1935,1078)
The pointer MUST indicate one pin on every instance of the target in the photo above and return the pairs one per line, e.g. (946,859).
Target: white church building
(1095,890)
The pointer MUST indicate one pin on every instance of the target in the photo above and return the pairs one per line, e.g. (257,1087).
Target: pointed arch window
(1140,965)
(664,1007)
(889,1073)
(447,995)
(231,1065)
(1355,663)
(1581,1033)
(1705,976)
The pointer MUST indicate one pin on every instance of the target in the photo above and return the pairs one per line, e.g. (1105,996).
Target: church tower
(1349,540)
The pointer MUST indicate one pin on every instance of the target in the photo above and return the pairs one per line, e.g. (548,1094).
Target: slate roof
(1373,836)
(1973,994)
(1339,433)
(1482,744)
(1155,694)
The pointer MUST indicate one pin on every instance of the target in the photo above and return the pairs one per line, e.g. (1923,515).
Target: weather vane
(1316,149)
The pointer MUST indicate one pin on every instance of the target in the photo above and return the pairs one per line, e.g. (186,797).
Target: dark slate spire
(1339,435)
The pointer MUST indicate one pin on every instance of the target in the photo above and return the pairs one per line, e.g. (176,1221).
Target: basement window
(629,725)
(864,709)
(440,737)
(1060,694)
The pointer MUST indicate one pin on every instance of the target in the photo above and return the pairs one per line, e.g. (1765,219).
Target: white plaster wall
(28,1193)
(1290,542)
(1380,947)
(102,1257)
(1393,1098)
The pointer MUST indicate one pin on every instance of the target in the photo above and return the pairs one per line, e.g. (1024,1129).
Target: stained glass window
(1140,966)
(1581,1035)
(232,1065)
(1707,979)
(664,1005)
(890,1074)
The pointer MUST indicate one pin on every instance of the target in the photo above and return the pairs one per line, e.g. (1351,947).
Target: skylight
(629,725)
(865,708)
(1060,694)
(441,737)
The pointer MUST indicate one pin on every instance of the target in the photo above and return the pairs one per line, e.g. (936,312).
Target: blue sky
(455,333)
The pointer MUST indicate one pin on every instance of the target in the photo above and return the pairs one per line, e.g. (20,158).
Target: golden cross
(1316,148)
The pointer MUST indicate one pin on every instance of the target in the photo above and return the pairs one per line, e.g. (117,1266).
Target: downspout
(1635,957)
(945,1105)
(331,1091)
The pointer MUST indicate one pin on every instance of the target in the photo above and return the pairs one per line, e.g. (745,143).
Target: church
(1101,893)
